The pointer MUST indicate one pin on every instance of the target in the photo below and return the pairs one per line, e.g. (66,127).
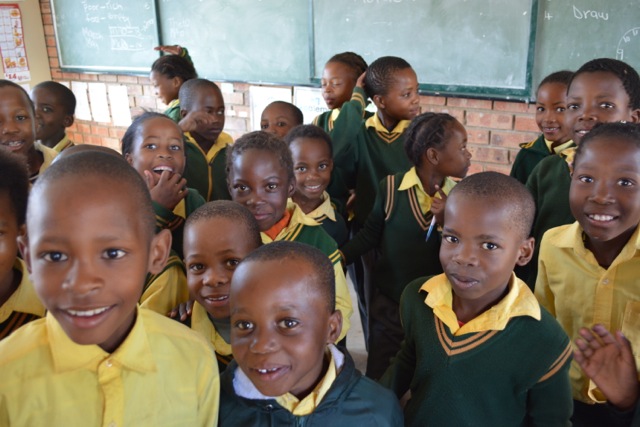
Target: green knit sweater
(514,377)
(530,154)
(209,178)
(165,218)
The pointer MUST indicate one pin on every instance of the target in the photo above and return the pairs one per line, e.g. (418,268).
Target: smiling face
(9,231)
(213,248)
(312,165)
(280,326)
(157,147)
(605,192)
(338,81)
(165,88)
(401,102)
(52,114)
(17,121)
(258,181)
(278,119)
(551,103)
(596,97)
(453,158)
(89,268)
(208,100)
(480,246)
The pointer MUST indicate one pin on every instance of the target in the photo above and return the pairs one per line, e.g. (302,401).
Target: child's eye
(560,109)
(54,256)
(21,117)
(272,187)
(607,105)
(195,267)
(264,126)
(47,110)
(623,182)
(175,148)
(489,246)
(232,263)
(450,239)
(112,253)
(243,325)
(540,109)
(220,112)
(573,107)
(240,187)
(281,124)
(323,166)
(150,146)
(288,323)
(585,179)
(301,169)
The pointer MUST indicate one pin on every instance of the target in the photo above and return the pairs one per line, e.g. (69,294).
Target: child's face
(209,100)
(337,84)
(158,147)
(88,268)
(165,88)
(277,120)
(596,97)
(312,165)
(259,182)
(280,326)
(605,190)
(17,122)
(401,101)
(551,103)
(213,248)
(480,247)
(9,232)
(53,117)
(454,159)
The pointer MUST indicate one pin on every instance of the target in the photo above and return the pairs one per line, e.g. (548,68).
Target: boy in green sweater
(479,349)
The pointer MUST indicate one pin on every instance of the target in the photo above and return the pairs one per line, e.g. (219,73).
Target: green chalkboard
(257,41)
(572,33)
(105,35)
(455,46)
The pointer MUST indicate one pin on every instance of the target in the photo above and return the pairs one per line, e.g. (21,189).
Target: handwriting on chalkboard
(589,14)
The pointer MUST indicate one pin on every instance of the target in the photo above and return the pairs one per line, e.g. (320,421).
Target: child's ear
(292,187)
(23,246)
(635,116)
(159,251)
(526,251)
(378,100)
(177,82)
(128,158)
(431,155)
(68,120)
(335,327)
(183,113)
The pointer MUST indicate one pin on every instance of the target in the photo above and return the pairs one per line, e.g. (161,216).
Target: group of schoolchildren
(471,289)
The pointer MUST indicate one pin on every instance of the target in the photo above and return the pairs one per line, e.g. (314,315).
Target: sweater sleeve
(519,170)
(542,289)
(348,123)
(370,234)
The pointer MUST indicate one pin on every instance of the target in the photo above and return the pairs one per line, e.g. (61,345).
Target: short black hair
(427,130)
(623,71)
(295,111)
(80,148)
(627,132)
(189,89)
(287,251)
(309,131)
(110,169)
(172,66)
(352,60)
(229,210)
(380,74)
(31,106)
(63,94)
(503,193)
(14,181)
(263,141)
(135,127)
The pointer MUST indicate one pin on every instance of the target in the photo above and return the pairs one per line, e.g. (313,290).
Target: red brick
(526,123)
(116,132)
(89,77)
(516,107)
(475,168)
(432,100)
(510,139)
(146,102)
(127,79)
(489,120)
(111,143)
(147,90)
(100,130)
(108,78)
(93,140)
(56,74)
(48,30)
(47,18)
(489,154)
(144,80)
(84,128)
(469,103)
(497,168)
(478,136)
(71,76)
(50,41)
(53,63)
(45,7)
(77,138)
(241,87)
(52,52)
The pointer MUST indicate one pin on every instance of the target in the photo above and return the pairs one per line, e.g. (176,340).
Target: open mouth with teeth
(13,145)
(87,313)
(159,169)
(601,218)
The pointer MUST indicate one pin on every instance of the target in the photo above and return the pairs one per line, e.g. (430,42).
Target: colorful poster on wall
(12,49)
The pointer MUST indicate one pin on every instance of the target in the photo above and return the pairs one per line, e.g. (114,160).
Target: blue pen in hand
(431,227)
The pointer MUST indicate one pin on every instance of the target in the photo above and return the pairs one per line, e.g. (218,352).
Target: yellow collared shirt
(560,148)
(161,375)
(411,179)
(24,299)
(389,136)
(324,210)
(48,154)
(578,292)
(519,301)
(223,140)
(200,323)
(64,143)
(167,289)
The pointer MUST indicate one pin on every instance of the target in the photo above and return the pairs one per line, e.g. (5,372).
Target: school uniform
(342,398)
(164,291)
(63,144)
(161,375)
(48,154)
(578,292)
(332,222)
(532,153)
(507,367)
(300,228)
(173,220)
(23,306)
(173,110)
(549,184)
(200,322)
(206,172)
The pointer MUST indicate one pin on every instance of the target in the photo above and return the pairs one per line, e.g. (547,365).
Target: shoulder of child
(23,341)
(164,328)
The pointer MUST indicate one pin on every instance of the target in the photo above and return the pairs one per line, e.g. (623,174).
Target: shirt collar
(325,209)
(24,299)
(174,103)
(519,301)
(62,144)
(134,353)
(374,122)
(48,154)
(560,148)
(223,140)
(297,218)
(201,323)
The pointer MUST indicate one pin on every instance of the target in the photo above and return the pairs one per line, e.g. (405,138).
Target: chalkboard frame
(104,69)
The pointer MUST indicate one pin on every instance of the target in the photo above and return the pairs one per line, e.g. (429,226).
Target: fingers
(150,179)
(441,192)
(360,81)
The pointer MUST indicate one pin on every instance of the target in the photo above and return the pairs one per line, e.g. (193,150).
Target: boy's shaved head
(189,89)
(261,140)
(283,250)
(14,181)
(295,112)
(62,93)
(380,74)
(502,191)
(106,166)
(229,210)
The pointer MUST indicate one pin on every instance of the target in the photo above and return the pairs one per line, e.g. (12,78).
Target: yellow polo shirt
(23,300)
(579,292)
(411,179)
(161,375)
(167,289)
(48,154)
(62,144)
(200,323)
(325,210)
(383,133)
(223,140)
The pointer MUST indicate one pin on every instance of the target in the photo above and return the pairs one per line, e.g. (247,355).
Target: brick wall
(495,128)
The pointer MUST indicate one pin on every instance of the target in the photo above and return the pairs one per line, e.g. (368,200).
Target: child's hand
(609,362)
(437,206)
(360,81)
(191,121)
(182,311)
(167,190)
(173,50)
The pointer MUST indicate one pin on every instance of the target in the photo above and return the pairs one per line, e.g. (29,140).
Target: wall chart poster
(12,50)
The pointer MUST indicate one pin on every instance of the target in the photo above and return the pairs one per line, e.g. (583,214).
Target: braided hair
(428,130)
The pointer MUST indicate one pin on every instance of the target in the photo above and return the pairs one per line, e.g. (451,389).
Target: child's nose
(216,278)
(263,341)
(9,127)
(81,278)
(601,193)
(465,255)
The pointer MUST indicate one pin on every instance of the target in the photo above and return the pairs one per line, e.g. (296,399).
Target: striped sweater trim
(172,261)
(453,348)
(292,234)
(14,321)
(388,137)
(417,212)
(391,179)
(558,363)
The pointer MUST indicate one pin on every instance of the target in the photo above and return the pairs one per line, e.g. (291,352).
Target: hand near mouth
(194,119)
(166,190)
